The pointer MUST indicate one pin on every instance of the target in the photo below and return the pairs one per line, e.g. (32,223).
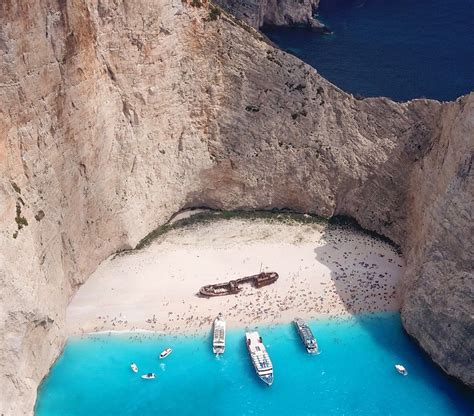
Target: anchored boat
(233,287)
(307,336)
(401,369)
(259,356)
(165,353)
(149,376)
(134,367)
(218,341)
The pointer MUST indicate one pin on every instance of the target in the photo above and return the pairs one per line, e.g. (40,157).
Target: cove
(353,375)
(399,49)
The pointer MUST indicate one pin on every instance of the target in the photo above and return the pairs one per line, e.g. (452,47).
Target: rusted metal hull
(233,287)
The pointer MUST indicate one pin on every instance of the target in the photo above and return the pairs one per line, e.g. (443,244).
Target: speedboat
(402,370)
(149,376)
(165,353)
(218,342)
(134,367)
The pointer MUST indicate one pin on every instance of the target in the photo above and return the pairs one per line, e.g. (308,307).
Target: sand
(324,271)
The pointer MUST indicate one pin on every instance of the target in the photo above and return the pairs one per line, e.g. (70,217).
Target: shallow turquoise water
(353,375)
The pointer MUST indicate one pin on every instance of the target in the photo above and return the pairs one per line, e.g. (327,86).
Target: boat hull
(233,287)
(219,332)
(268,380)
(401,370)
(307,337)
(259,356)
(165,353)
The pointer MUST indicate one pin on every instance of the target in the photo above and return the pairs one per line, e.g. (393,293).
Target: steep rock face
(115,116)
(438,301)
(258,13)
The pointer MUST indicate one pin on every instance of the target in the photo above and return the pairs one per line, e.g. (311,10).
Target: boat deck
(218,341)
(258,353)
(306,335)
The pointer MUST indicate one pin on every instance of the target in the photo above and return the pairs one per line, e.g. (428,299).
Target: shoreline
(325,271)
(203,332)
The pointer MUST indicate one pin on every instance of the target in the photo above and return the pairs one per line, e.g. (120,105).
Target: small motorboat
(134,367)
(165,353)
(149,376)
(402,370)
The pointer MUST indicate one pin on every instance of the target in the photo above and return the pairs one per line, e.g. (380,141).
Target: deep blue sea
(401,49)
(353,375)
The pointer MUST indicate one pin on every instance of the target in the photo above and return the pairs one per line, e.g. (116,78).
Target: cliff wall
(115,116)
(438,298)
(258,13)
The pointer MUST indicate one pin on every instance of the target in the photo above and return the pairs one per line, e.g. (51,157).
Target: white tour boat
(149,376)
(134,367)
(307,336)
(260,358)
(218,341)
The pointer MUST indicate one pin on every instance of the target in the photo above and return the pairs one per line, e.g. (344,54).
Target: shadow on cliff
(361,286)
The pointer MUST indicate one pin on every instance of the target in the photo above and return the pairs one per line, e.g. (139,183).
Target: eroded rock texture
(438,299)
(115,115)
(258,13)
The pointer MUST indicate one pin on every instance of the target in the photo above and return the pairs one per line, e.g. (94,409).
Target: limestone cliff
(438,303)
(115,115)
(258,13)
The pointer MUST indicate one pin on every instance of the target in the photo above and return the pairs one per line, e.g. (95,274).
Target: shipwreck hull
(233,287)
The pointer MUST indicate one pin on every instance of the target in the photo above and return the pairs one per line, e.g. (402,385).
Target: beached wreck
(234,286)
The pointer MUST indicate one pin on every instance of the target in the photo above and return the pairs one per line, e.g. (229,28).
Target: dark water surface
(401,49)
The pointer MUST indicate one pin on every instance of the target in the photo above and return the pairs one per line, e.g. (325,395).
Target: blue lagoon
(353,375)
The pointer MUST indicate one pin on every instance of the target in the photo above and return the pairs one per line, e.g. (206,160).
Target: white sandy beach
(323,271)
